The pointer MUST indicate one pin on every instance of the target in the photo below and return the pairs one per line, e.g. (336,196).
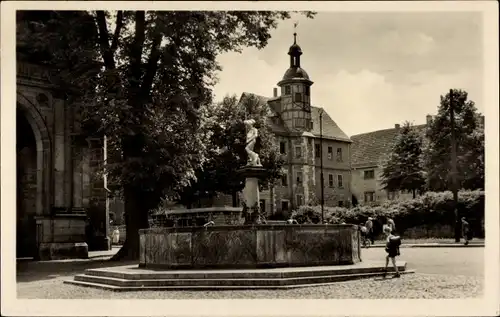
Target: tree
(469,131)
(404,168)
(146,85)
(226,150)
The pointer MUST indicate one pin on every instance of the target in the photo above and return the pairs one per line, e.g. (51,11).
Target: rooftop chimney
(275,92)
(428,119)
(397,125)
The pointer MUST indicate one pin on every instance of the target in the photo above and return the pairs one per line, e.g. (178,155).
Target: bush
(278,216)
(307,214)
(430,209)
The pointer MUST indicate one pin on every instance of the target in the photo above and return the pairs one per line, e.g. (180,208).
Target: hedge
(431,208)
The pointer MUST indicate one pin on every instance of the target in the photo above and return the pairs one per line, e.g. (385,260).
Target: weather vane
(295,24)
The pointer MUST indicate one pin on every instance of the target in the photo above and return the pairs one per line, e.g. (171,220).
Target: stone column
(68,157)
(77,179)
(85,172)
(251,194)
(59,155)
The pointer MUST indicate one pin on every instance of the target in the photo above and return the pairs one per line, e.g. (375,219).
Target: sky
(371,70)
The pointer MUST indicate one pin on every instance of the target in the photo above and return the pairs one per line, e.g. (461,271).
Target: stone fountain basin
(255,246)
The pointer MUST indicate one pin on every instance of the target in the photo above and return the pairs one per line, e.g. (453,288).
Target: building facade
(304,134)
(369,151)
(58,195)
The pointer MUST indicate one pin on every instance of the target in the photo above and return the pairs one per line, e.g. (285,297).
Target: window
(298,97)
(339,154)
(311,125)
(330,152)
(391,195)
(299,178)
(317,150)
(330,180)
(288,90)
(298,152)
(299,200)
(262,204)
(308,90)
(300,122)
(369,196)
(282,148)
(370,174)
(341,203)
(284,180)
(284,205)
(340,180)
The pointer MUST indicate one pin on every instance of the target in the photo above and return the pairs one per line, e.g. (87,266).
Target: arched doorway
(26,157)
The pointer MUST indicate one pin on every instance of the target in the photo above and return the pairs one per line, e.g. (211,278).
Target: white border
(489,305)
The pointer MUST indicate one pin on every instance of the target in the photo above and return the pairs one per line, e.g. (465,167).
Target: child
(391,224)
(364,235)
(369,227)
(392,249)
(116,236)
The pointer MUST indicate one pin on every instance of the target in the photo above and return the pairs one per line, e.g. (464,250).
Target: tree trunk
(136,218)
(413,193)
(233,196)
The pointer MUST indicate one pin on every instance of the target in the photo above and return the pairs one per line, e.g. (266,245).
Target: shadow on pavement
(29,271)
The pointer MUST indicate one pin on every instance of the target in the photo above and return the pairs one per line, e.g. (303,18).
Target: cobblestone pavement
(414,286)
(441,273)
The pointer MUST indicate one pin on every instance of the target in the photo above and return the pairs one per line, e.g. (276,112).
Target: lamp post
(454,187)
(321,165)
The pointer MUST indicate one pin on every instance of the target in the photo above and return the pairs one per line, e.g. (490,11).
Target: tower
(296,92)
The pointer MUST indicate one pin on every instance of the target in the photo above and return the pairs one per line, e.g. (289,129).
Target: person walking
(116,236)
(369,229)
(363,231)
(392,225)
(466,232)
(392,249)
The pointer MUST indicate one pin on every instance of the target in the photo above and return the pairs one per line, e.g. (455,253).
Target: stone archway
(33,175)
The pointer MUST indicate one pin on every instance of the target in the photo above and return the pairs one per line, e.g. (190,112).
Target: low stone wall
(440,231)
(249,246)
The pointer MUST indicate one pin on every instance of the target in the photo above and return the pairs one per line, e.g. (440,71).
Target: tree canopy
(144,79)
(469,131)
(403,169)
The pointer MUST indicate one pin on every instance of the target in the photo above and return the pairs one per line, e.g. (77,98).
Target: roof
(294,73)
(330,129)
(295,49)
(368,149)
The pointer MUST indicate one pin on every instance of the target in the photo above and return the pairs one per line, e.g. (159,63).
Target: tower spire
(295,50)
(295,32)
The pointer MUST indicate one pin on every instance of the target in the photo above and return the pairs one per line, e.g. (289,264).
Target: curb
(431,246)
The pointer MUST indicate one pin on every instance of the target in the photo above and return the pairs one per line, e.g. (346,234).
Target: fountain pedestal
(251,197)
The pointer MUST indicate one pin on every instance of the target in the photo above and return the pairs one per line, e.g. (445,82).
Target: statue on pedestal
(252,134)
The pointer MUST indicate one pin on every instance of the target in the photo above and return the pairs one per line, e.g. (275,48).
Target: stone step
(129,274)
(246,283)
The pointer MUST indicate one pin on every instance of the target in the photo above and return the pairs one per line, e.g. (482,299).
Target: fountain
(252,254)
